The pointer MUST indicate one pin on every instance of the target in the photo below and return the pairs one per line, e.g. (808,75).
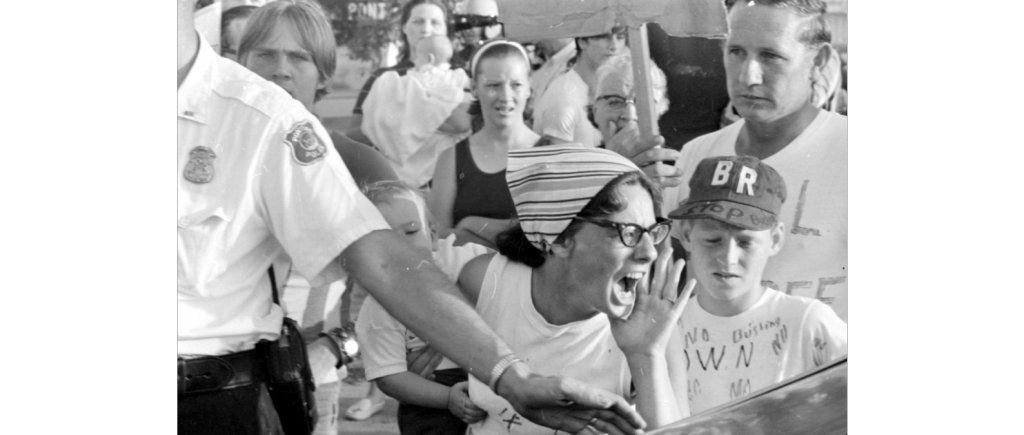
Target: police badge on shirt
(199,168)
(306,146)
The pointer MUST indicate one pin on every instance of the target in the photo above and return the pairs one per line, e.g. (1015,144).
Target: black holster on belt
(289,378)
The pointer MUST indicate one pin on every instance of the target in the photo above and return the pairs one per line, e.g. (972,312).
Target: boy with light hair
(742,336)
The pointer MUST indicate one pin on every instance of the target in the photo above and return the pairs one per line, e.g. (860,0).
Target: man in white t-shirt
(558,53)
(771,55)
(560,114)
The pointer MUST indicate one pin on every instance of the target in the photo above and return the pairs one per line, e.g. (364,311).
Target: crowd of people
(511,226)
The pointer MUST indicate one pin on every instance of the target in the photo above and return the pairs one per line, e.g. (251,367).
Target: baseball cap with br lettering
(737,190)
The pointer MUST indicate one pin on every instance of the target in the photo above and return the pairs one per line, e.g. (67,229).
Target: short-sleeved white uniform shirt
(561,111)
(257,176)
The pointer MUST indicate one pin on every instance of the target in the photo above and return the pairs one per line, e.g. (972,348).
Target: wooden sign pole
(639,48)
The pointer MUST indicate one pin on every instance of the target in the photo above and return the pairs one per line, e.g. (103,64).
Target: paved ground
(382,423)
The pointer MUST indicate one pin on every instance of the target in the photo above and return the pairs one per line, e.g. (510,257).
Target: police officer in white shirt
(258,176)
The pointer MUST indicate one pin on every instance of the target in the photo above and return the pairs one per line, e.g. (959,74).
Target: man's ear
(582,43)
(823,55)
(685,229)
(778,235)
(430,58)
(323,83)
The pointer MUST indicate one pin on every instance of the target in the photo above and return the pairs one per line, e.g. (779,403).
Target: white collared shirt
(264,195)
(552,68)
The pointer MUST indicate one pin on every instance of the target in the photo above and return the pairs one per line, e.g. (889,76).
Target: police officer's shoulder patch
(307,147)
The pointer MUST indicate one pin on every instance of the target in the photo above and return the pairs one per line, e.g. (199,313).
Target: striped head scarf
(551,184)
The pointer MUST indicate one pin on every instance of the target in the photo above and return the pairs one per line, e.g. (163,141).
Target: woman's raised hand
(655,310)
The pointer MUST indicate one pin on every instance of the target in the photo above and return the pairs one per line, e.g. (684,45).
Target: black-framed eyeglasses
(630,234)
(616,103)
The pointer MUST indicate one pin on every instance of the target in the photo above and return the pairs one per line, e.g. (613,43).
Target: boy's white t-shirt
(778,338)
(383,340)
(813,262)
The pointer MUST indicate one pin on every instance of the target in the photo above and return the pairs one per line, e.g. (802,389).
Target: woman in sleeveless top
(469,196)
(570,288)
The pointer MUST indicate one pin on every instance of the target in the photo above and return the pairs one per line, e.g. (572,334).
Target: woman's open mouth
(625,288)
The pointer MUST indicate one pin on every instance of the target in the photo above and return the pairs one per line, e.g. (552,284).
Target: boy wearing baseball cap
(742,336)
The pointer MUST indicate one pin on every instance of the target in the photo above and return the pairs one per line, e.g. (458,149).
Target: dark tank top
(479,193)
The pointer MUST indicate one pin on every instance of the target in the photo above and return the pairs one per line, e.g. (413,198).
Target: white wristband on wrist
(500,368)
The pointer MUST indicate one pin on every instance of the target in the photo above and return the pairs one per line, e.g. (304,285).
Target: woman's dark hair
(513,243)
(231,15)
(476,116)
(407,13)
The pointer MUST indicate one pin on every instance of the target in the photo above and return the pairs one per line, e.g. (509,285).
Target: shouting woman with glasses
(572,289)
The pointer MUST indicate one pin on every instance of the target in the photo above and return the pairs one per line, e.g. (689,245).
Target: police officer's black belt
(212,373)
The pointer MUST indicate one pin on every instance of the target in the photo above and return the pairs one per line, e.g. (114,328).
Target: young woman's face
(424,20)
(502,85)
(607,270)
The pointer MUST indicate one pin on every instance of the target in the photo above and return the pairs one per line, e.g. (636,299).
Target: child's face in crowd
(407,217)
(728,261)
(433,50)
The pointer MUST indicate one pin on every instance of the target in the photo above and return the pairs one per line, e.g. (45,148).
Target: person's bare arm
(649,154)
(441,199)
(423,362)
(483,231)
(677,370)
(411,389)
(652,163)
(471,278)
(459,121)
(419,295)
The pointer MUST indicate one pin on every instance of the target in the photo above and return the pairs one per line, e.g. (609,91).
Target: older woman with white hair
(612,110)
